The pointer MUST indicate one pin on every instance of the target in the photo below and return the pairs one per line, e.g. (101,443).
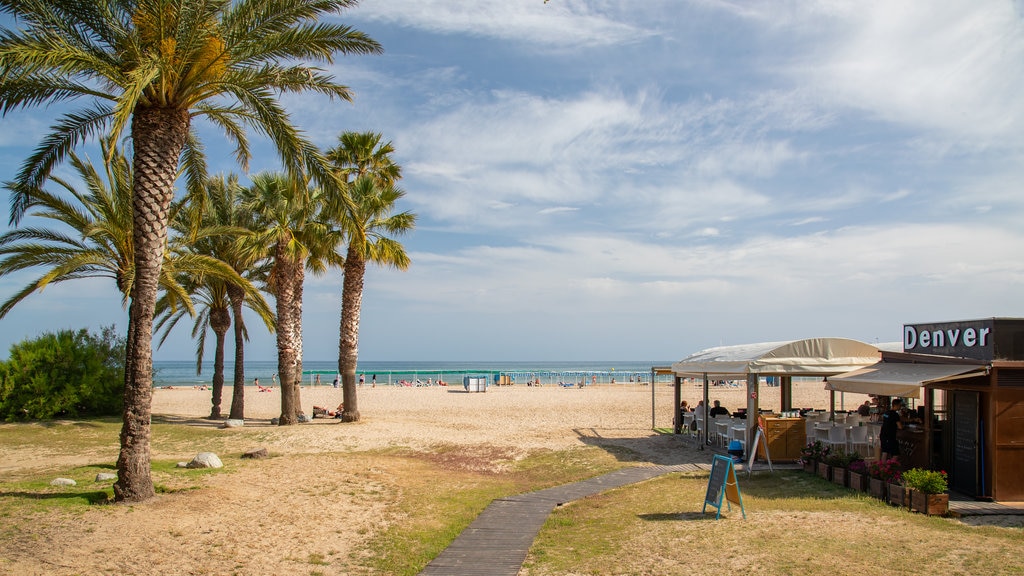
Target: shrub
(886,470)
(67,374)
(927,481)
(858,467)
(814,451)
(841,458)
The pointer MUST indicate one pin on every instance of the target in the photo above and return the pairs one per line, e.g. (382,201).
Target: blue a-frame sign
(723,483)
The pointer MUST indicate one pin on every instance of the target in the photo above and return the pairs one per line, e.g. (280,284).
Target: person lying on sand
(324,412)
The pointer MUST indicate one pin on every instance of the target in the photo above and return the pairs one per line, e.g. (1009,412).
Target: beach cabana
(811,357)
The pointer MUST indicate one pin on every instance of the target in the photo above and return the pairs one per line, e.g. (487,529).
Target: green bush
(67,374)
(927,481)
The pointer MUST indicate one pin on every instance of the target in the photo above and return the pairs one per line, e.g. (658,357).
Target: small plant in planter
(812,454)
(857,472)
(881,473)
(928,489)
(840,460)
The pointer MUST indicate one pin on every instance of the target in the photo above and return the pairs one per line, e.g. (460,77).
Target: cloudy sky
(622,180)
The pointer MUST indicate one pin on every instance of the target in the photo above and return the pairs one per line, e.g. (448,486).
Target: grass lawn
(796,524)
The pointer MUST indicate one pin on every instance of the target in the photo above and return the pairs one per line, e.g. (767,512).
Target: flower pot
(930,504)
(857,481)
(876,487)
(839,476)
(824,470)
(810,466)
(899,495)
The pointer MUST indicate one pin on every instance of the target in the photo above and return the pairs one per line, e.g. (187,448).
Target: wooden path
(496,543)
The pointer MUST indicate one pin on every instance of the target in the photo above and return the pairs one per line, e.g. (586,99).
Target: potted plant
(840,460)
(899,494)
(880,473)
(857,475)
(811,454)
(928,491)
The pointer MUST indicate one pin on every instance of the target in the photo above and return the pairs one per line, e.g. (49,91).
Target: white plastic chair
(859,441)
(837,437)
(738,432)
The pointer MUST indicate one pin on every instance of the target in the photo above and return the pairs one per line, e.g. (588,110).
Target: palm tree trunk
(158,135)
(218,373)
(348,353)
(285,273)
(237,296)
(296,336)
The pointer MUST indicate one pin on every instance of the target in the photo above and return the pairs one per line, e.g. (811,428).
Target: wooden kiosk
(971,376)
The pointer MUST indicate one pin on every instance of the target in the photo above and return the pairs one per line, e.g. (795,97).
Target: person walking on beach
(317,379)
(362,379)
(335,381)
(373,381)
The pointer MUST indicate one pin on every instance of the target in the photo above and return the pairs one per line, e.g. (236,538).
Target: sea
(183,373)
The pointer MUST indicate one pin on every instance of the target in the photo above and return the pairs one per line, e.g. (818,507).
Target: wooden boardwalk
(496,543)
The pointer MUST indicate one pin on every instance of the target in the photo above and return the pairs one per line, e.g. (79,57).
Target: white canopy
(896,379)
(809,357)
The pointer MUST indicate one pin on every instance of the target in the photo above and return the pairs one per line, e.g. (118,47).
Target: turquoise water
(183,373)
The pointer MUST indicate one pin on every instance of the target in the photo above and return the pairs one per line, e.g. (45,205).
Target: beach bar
(971,377)
(782,361)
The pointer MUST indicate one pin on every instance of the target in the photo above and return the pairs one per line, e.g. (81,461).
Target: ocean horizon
(183,372)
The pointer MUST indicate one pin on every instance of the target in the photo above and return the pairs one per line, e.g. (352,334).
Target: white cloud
(533,23)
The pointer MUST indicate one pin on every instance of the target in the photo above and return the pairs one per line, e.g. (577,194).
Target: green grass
(796,524)
(437,504)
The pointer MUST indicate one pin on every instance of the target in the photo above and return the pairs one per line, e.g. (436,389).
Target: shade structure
(808,357)
(897,379)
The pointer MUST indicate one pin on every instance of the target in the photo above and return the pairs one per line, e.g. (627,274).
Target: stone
(233,423)
(302,417)
(182,465)
(274,421)
(205,460)
(63,482)
(256,454)
(105,476)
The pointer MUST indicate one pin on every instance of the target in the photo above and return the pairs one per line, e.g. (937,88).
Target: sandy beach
(516,417)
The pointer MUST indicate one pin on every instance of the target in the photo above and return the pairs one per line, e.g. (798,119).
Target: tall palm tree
(208,230)
(224,208)
(150,67)
(292,236)
(365,164)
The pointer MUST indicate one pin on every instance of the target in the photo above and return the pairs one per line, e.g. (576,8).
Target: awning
(896,379)
(809,357)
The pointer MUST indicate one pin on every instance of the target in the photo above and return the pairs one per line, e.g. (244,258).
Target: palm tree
(151,66)
(224,206)
(291,235)
(208,228)
(365,164)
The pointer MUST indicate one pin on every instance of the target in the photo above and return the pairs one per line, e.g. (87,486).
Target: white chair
(839,417)
(859,441)
(821,431)
(837,437)
(738,432)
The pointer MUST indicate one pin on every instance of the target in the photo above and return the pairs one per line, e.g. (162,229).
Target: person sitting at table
(684,407)
(865,408)
(718,410)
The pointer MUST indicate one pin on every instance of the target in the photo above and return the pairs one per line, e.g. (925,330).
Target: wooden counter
(785,438)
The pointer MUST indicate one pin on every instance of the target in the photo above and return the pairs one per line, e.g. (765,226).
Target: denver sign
(970,339)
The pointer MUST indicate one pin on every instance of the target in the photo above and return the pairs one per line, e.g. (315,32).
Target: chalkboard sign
(723,482)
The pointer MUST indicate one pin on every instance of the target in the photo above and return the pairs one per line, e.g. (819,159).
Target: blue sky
(629,180)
